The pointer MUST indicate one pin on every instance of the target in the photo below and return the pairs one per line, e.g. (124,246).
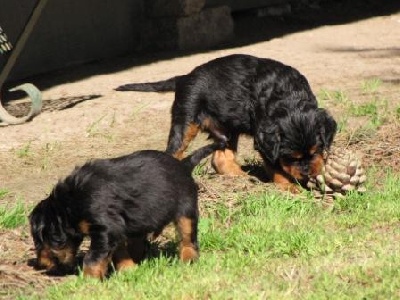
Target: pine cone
(343,172)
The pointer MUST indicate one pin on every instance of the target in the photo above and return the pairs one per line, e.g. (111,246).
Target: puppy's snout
(305,171)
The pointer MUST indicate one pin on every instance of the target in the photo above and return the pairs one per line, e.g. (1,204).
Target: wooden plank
(237,5)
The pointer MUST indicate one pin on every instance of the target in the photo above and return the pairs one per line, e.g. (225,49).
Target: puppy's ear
(37,222)
(328,127)
(267,142)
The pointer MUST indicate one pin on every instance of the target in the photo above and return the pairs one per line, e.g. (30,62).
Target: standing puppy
(263,98)
(117,202)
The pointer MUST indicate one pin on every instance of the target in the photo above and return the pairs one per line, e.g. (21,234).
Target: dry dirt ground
(83,117)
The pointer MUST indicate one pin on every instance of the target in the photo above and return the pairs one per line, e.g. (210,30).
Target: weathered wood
(173,8)
(236,5)
(202,30)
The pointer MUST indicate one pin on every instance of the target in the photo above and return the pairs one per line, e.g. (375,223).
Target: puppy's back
(130,190)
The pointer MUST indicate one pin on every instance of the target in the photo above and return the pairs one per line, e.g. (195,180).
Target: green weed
(371,86)
(12,216)
(97,128)
(336,97)
(25,151)
(377,111)
(3,192)
(201,169)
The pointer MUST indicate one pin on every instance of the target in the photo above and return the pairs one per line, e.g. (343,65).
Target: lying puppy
(117,202)
(263,98)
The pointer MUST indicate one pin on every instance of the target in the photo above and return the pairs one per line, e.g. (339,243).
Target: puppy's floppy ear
(328,127)
(37,222)
(267,141)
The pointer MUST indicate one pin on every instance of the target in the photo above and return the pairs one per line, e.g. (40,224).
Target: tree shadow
(20,109)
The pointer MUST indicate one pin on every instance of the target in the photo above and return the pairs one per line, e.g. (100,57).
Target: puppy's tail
(194,159)
(158,86)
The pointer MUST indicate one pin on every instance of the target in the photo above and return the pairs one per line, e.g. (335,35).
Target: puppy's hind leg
(224,162)
(129,253)
(180,136)
(121,258)
(188,247)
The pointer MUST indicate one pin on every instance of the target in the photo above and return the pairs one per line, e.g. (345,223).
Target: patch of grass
(272,245)
(337,97)
(342,124)
(201,169)
(361,133)
(24,151)
(49,150)
(360,120)
(3,192)
(93,128)
(136,111)
(12,216)
(97,128)
(376,111)
(371,86)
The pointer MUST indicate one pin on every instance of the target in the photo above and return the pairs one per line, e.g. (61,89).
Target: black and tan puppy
(117,202)
(263,98)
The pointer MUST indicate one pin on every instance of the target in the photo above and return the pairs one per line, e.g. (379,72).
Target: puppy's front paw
(289,187)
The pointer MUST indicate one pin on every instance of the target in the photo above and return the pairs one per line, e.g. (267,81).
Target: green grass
(12,215)
(376,110)
(371,85)
(101,127)
(201,169)
(337,97)
(271,246)
(24,151)
(3,193)
(372,112)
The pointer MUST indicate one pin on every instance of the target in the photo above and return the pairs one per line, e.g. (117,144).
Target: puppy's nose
(305,171)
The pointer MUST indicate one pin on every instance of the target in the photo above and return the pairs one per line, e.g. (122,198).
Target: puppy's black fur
(263,98)
(117,202)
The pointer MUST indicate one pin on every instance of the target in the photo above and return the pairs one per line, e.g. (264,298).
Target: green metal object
(33,92)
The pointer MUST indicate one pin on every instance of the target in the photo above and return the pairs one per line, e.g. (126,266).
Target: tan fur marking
(283,183)
(121,258)
(207,124)
(317,165)
(297,155)
(65,256)
(281,180)
(224,163)
(187,251)
(313,150)
(292,170)
(188,136)
(98,270)
(188,254)
(84,227)
(45,258)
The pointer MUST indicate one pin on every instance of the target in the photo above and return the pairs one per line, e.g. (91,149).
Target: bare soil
(84,118)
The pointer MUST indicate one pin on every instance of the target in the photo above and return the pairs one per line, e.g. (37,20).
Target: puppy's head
(296,140)
(55,245)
